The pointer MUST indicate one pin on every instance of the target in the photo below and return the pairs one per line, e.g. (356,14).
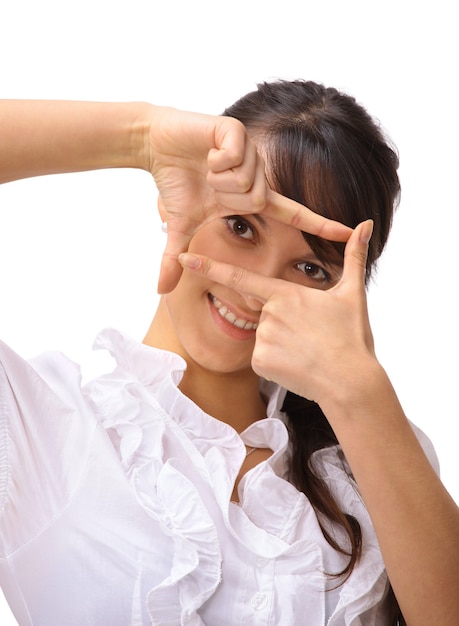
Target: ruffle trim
(140,430)
(171,498)
(202,453)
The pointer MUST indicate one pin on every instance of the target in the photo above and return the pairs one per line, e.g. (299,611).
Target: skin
(203,165)
(415,519)
(206,167)
(219,376)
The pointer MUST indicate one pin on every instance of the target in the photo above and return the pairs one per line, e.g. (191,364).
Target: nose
(267,265)
(252,303)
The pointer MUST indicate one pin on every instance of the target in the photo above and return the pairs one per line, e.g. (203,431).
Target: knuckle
(296,219)
(236,276)
(258,200)
(360,256)
(243,180)
(263,335)
(206,266)
(261,361)
(257,361)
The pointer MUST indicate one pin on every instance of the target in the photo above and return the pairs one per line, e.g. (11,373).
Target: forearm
(415,519)
(48,137)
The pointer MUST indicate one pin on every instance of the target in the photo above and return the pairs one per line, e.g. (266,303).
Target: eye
(317,273)
(240,227)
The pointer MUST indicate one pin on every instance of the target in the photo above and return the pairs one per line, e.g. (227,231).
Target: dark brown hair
(323,150)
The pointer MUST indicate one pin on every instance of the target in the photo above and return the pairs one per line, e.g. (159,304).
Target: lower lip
(240,334)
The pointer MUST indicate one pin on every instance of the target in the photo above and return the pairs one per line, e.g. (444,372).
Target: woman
(186,487)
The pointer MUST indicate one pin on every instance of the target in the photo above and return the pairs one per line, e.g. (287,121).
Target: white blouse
(115,506)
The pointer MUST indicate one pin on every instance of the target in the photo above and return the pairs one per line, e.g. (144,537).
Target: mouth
(230,317)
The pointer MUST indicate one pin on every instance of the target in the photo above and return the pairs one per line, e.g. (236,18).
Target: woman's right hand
(198,161)
(207,166)
(204,165)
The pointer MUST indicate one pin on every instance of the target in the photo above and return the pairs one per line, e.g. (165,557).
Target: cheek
(207,245)
(223,251)
(215,242)
(183,299)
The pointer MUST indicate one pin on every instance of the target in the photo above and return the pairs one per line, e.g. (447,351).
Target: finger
(355,255)
(353,279)
(253,200)
(171,271)
(290,212)
(169,274)
(238,178)
(230,140)
(256,286)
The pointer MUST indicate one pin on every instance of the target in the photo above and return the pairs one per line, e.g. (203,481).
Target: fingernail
(189,261)
(367,231)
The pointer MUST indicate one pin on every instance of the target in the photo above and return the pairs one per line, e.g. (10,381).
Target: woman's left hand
(308,340)
(319,345)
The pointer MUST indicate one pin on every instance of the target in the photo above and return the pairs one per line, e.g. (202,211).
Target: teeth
(230,317)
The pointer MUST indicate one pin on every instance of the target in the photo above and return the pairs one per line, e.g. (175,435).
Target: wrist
(365,414)
(361,392)
(141,120)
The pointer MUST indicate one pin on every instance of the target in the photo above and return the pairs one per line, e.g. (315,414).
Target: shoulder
(48,375)
(45,428)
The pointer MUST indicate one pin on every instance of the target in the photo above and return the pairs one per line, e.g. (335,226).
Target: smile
(230,317)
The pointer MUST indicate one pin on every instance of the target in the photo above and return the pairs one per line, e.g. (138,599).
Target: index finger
(248,283)
(291,212)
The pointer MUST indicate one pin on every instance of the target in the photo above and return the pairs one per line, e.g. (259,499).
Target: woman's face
(214,326)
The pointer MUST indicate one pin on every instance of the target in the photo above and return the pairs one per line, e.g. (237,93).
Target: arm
(50,137)
(415,519)
(331,359)
(203,165)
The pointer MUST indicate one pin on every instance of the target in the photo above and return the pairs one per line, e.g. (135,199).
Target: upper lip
(232,309)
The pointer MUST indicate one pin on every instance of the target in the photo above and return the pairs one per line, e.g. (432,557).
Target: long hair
(323,150)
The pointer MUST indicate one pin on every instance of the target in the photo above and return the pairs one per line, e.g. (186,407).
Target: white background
(80,252)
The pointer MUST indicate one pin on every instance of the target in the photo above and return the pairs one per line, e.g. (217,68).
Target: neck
(228,397)
(231,397)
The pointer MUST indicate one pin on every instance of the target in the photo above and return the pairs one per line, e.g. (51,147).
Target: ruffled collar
(164,370)
(265,525)
(142,362)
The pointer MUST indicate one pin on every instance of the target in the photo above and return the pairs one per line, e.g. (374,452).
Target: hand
(206,166)
(319,345)
(315,343)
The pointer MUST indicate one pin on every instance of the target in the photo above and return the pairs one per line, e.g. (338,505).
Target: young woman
(188,486)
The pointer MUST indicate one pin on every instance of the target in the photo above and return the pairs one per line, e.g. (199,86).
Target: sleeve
(45,434)
(427,446)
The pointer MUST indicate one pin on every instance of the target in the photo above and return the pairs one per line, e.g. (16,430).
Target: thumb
(355,263)
(356,253)
(169,274)
(171,270)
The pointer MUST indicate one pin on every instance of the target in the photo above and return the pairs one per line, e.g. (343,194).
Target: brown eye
(240,227)
(314,271)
